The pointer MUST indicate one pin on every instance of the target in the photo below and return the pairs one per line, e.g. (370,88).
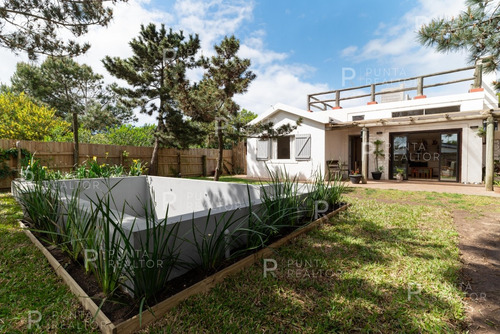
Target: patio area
(440,187)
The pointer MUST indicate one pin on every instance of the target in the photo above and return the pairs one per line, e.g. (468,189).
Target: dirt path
(480,255)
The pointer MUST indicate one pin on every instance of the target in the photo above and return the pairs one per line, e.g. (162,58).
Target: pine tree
(34,26)
(156,74)
(475,30)
(63,84)
(226,75)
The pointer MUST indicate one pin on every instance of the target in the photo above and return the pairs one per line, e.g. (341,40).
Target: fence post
(420,86)
(19,157)
(337,99)
(204,165)
(179,164)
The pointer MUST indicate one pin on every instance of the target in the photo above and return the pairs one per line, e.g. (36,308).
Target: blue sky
(296,47)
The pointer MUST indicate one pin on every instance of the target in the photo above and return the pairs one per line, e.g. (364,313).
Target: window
(442,110)
(408,113)
(283,147)
(358,118)
(430,111)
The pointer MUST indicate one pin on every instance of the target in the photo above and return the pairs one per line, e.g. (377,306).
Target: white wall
(468,102)
(304,169)
(183,197)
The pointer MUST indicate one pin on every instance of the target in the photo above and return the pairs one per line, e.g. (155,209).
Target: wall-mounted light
(485,123)
(380,132)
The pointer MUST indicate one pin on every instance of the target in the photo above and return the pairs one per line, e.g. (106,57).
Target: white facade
(303,167)
(331,132)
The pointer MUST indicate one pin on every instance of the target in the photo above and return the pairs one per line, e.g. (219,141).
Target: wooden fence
(171,162)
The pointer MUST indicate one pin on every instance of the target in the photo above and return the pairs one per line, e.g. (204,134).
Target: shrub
(41,203)
(21,118)
(323,193)
(213,246)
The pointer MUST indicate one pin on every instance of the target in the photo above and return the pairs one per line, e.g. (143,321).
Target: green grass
(29,285)
(353,274)
(228,179)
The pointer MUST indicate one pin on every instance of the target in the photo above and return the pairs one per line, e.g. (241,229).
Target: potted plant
(378,153)
(496,186)
(400,174)
(355,176)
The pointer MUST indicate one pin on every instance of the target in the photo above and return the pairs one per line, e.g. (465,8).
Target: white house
(429,137)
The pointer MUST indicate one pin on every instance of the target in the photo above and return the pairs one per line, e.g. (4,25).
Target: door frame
(391,153)
(458,177)
(352,139)
(458,131)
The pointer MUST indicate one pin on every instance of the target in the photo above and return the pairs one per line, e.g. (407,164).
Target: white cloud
(397,44)
(276,81)
(213,19)
(349,51)
(397,47)
(114,40)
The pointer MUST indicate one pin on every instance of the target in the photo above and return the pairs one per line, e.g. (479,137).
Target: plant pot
(376,175)
(399,177)
(355,178)
(496,189)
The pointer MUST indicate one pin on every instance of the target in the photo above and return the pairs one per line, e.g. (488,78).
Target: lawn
(29,288)
(228,178)
(384,266)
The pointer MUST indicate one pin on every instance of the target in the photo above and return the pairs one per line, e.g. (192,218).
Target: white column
(364,154)
(490,136)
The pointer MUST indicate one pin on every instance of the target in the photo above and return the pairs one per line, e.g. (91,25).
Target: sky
(296,47)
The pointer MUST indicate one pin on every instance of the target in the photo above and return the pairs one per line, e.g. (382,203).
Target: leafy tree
(156,74)
(226,75)
(21,118)
(73,90)
(35,26)
(132,135)
(475,30)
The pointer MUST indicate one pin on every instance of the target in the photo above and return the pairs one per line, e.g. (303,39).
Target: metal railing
(323,100)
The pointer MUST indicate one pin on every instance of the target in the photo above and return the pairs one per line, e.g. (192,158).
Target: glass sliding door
(448,157)
(400,155)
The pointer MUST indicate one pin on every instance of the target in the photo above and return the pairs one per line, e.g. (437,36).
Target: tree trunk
(220,140)
(153,165)
(76,148)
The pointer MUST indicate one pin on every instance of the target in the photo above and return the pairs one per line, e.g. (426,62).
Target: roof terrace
(385,91)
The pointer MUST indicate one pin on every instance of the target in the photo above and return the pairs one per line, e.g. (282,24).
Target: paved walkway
(440,187)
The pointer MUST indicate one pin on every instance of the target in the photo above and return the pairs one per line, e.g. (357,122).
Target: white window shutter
(302,147)
(262,149)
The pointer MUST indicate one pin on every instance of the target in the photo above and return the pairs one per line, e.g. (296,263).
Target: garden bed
(180,288)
